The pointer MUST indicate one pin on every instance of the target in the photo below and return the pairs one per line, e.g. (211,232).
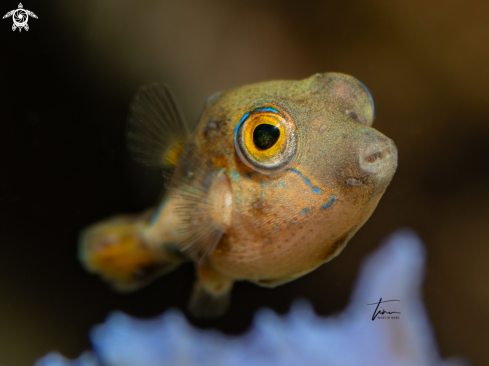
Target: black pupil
(265,136)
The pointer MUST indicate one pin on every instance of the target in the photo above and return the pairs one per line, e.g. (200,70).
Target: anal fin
(211,295)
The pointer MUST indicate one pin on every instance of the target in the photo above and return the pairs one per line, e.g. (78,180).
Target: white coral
(394,271)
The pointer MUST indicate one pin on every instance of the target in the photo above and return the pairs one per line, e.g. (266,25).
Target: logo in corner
(20,17)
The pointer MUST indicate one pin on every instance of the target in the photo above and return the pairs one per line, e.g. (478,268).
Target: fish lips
(379,161)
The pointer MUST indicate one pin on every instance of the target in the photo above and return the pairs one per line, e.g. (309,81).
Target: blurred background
(65,86)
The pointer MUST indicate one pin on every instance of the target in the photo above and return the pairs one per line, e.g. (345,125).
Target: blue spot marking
(301,175)
(239,124)
(157,212)
(245,116)
(371,99)
(268,109)
(315,189)
(330,203)
(306,211)
(281,184)
(235,175)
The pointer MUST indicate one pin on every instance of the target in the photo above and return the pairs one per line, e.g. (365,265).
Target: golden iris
(260,144)
(266,140)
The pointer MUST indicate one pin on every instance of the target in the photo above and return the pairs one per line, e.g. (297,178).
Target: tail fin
(115,250)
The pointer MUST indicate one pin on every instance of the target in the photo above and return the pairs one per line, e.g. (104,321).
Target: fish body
(272,182)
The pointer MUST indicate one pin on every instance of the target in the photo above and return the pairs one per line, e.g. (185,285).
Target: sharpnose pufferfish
(272,182)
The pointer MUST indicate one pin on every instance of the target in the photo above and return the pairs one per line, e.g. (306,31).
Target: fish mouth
(379,160)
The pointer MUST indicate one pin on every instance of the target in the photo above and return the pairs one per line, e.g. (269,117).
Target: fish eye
(265,136)
(266,140)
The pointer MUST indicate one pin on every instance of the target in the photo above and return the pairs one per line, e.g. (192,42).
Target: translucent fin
(156,131)
(115,250)
(203,202)
(211,295)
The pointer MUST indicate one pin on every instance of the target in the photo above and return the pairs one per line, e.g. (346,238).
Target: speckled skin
(279,229)
(272,228)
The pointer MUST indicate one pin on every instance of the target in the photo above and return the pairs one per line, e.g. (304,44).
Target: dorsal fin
(156,131)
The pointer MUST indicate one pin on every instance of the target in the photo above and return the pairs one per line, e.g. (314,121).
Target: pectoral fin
(204,207)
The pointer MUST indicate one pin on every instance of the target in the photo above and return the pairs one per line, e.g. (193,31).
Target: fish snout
(379,158)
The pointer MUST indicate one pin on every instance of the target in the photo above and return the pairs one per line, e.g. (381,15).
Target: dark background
(65,86)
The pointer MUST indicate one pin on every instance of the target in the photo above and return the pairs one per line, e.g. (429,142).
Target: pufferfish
(273,181)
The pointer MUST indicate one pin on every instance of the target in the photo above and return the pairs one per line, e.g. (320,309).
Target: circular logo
(20,18)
